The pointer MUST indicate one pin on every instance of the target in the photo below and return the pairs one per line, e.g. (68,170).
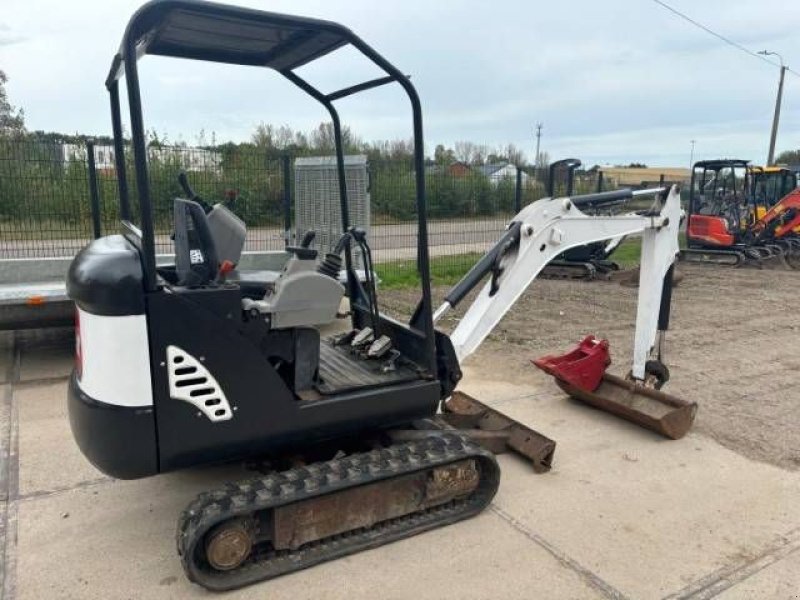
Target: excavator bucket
(581,374)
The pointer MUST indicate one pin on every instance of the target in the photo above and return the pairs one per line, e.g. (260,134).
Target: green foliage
(12,120)
(449,195)
(788,157)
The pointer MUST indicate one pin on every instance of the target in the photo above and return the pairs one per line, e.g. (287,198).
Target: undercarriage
(289,520)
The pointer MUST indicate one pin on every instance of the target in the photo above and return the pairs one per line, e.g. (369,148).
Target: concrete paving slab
(48,456)
(46,363)
(6,363)
(780,580)
(497,392)
(623,514)
(116,540)
(620,496)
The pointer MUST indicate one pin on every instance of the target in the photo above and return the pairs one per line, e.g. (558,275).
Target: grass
(445,270)
(628,253)
(448,270)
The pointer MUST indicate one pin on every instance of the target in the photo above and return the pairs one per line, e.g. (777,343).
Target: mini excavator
(591,261)
(367,438)
(741,214)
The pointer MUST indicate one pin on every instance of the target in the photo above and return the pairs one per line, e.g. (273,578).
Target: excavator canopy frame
(199,30)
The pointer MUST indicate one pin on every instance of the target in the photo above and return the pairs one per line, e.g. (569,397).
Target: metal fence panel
(45,207)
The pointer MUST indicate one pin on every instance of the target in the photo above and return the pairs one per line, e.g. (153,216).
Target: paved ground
(391,241)
(623,514)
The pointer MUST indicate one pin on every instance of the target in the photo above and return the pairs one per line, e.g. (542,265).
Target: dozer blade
(582,374)
(485,426)
(497,432)
(668,415)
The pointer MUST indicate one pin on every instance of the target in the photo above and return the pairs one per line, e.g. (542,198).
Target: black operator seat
(196,261)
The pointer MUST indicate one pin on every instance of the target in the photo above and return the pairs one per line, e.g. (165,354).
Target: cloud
(9,37)
(616,81)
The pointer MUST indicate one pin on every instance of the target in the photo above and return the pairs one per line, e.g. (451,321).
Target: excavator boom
(782,219)
(539,233)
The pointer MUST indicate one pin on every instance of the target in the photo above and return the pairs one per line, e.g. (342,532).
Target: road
(388,241)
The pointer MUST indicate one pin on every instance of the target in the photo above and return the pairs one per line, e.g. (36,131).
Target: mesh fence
(45,208)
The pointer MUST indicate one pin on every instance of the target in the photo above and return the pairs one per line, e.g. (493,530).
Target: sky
(612,82)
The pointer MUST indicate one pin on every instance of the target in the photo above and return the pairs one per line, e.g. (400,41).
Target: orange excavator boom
(782,219)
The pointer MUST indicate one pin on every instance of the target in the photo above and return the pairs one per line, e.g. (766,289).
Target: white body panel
(116,359)
(553,225)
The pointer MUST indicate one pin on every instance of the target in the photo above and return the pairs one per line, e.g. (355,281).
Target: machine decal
(114,358)
(191,382)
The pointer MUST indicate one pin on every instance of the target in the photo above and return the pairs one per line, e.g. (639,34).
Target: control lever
(183,181)
(308,239)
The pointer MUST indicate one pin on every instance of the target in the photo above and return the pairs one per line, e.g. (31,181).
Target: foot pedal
(362,338)
(379,347)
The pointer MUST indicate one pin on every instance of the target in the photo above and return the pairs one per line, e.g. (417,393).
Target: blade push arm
(545,229)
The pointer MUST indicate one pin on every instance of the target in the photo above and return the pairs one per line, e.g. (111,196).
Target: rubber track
(575,271)
(293,485)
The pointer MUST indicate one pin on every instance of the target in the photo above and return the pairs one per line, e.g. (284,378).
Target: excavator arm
(782,219)
(545,229)
(539,233)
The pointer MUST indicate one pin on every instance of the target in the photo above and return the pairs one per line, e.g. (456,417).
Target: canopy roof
(229,34)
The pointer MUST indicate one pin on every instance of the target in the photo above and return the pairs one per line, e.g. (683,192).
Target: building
(456,169)
(642,177)
(497,172)
(192,160)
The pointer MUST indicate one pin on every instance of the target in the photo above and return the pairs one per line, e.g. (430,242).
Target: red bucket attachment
(581,374)
(583,367)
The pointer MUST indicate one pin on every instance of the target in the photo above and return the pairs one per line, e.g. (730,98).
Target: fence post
(94,192)
(518,192)
(599,181)
(287,198)
(661,181)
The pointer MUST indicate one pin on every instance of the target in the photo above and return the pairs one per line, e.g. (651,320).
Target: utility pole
(776,118)
(538,141)
(691,155)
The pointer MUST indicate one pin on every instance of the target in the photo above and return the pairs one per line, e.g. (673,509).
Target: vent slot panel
(191,382)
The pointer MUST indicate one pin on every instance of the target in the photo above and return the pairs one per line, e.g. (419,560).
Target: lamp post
(777,117)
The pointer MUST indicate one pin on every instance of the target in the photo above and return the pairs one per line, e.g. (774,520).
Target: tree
(443,156)
(12,120)
(514,155)
(468,152)
(322,139)
(271,137)
(788,157)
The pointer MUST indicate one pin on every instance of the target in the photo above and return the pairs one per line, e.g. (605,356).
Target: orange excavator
(739,216)
(781,223)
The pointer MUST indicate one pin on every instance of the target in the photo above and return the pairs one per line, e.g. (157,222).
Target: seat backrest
(196,261)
